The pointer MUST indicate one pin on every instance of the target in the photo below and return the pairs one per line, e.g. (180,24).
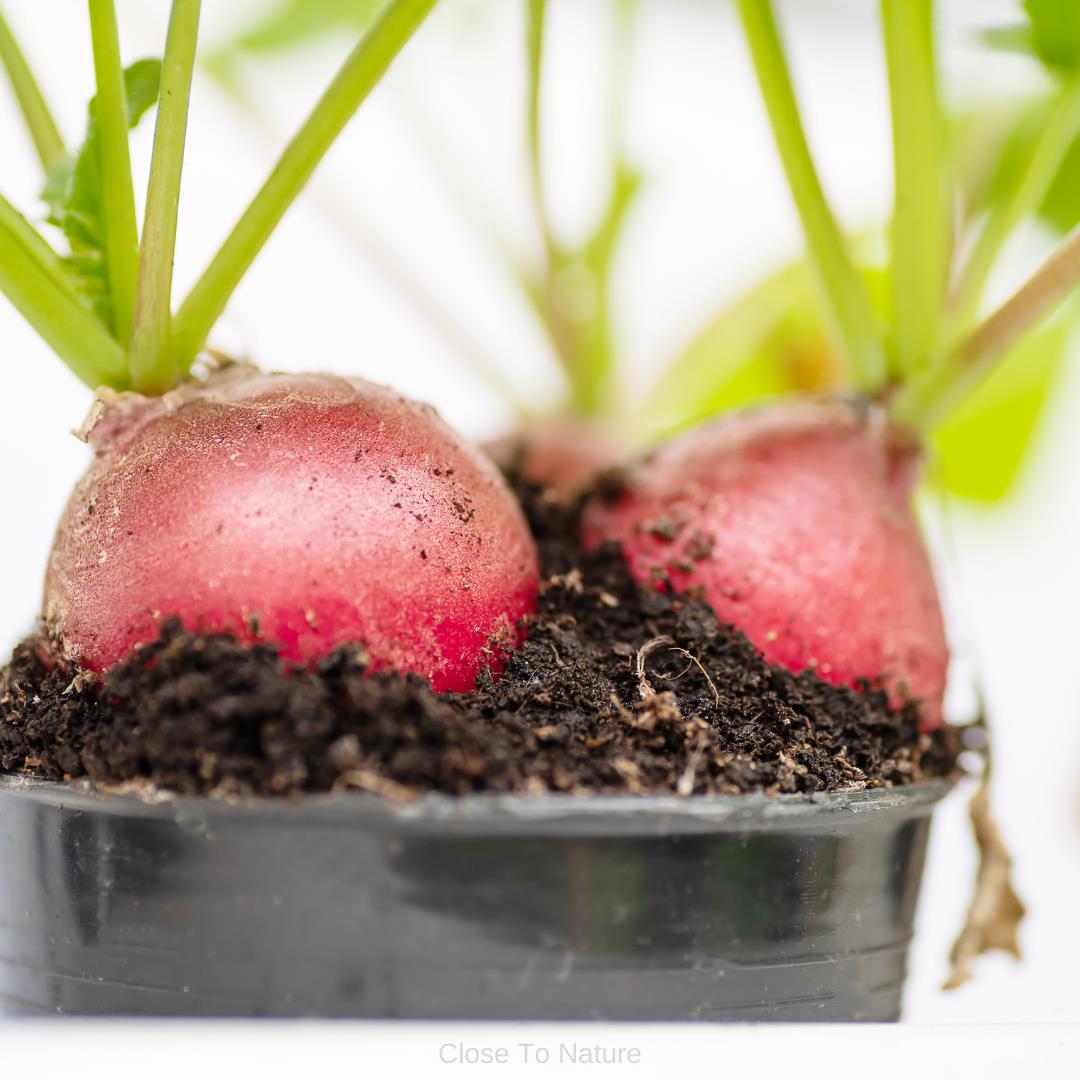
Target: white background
(715,213)
(430,1051)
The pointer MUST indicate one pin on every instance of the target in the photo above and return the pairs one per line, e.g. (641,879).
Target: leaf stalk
(920,228)
(48,142)
(152,367)
(926,400)
(359,75)
(845,296)
(121,224)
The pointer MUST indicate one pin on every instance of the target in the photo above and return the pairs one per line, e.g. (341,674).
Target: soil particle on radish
(617,688)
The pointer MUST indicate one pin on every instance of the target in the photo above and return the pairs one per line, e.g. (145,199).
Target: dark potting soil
(616,689)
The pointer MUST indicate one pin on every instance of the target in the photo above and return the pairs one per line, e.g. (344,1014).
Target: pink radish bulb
(303,510)
(796,522)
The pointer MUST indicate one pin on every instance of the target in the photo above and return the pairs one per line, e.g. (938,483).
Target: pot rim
(487,814)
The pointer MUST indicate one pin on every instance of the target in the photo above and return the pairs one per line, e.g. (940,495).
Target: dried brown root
(644,688)
(995,913)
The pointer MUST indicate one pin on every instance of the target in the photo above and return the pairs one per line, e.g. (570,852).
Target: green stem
(920,221)
(535,28)
(152,368)
(574,340)
(121,225)
(48,142)
(848,303)
(1025,196)
(544,292)
(925,400)
(35,281)
(361,72)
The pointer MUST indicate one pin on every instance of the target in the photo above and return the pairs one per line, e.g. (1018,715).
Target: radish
(794,520)
(306,510)
(303,510)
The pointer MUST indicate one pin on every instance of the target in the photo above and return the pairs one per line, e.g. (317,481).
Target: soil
(616,689)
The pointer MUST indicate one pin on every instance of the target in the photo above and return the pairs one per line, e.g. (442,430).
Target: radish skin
(303,510)
(795,520)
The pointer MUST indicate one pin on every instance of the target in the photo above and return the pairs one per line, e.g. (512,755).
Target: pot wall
(657,908)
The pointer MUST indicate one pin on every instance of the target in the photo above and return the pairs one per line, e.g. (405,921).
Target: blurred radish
(795,519)
(305,510)
(795,522)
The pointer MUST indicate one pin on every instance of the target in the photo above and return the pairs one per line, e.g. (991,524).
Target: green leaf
(993,146)
(573,296)
(1061,207)
(1055,31)
(771,341)
(983,444)
(1052,34)
(74,194)
(1017,136)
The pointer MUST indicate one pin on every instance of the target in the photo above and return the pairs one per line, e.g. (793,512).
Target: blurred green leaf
(1015,143)
(975,138)
(1061,207)
(993,147)
(768,342)
(1055,31)
(74,192)
(771,342)
(579,291)
(982,446)
(1052,34)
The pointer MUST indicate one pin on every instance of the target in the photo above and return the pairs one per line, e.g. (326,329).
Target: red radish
(304,510)
(796,521)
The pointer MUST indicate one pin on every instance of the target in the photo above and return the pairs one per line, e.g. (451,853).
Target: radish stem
(152,367)
(537,22)
(920,231)
(846,298)
(121,225)
(927,399)
(542,294)
(35,281)
(1027,193)
(48,142)
(360,74)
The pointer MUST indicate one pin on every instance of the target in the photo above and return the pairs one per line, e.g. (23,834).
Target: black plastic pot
(486,907)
